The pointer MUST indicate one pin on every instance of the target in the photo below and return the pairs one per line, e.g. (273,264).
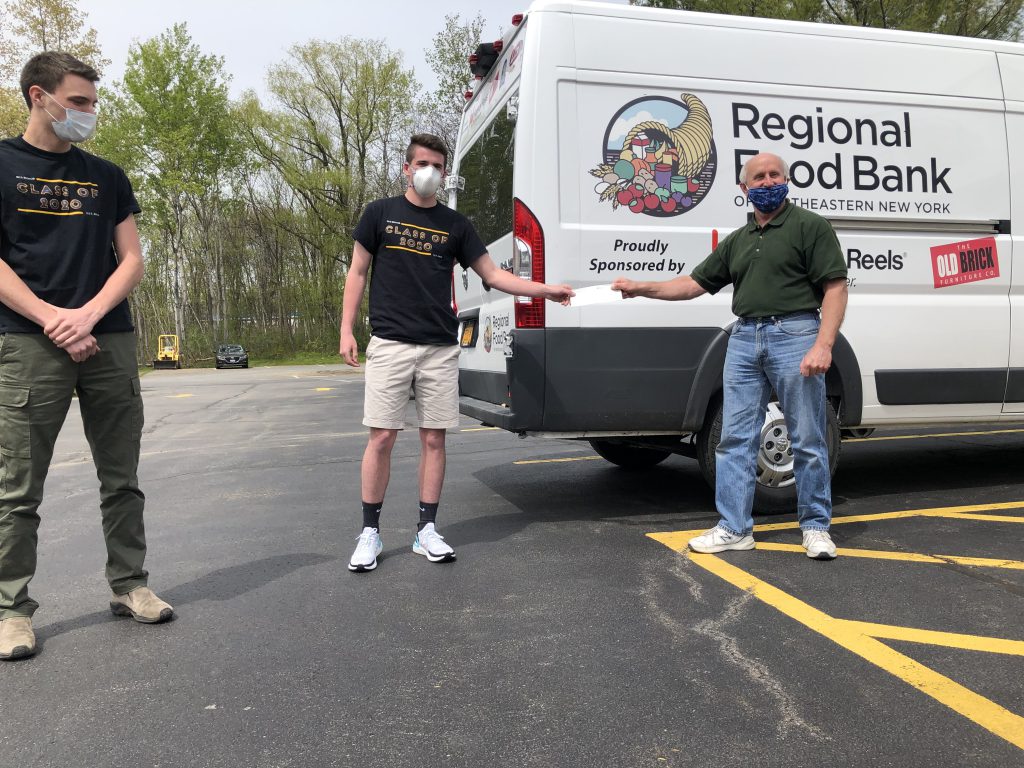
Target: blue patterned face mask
(767,199)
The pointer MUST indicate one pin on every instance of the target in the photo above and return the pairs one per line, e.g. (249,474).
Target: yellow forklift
(168,355)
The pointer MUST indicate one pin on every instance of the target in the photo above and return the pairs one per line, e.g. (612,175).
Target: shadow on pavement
(219,585)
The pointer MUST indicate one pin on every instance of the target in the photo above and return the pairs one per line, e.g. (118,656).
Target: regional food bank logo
(654,168)
(965,262)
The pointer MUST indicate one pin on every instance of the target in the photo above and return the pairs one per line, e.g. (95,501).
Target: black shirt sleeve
(472,246)
(126,202)
(367,232)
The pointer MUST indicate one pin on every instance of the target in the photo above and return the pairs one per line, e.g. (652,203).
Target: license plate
(468,333)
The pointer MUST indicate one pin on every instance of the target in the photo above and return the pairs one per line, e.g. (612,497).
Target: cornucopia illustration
(657,168)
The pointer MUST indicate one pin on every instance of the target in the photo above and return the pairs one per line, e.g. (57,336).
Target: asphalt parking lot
(573,630)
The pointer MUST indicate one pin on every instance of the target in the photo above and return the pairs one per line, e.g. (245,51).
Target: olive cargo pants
(37,380)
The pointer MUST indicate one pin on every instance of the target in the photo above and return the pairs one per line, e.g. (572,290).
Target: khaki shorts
(394,368)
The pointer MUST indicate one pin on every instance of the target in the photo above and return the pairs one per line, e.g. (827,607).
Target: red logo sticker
(965,262)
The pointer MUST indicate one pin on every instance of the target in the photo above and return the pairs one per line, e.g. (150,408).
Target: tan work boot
(17,640)
(142,605)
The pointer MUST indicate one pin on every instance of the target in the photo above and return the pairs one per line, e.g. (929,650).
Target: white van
(605,140)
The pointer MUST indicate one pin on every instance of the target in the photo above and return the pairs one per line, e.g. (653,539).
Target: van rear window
(487,169)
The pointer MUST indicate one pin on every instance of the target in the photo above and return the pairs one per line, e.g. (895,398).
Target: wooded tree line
(992,19)
(249,204)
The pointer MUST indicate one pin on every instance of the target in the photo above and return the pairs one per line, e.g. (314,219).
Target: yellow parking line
(557,461)
(324,389)
(935,434)
(480,429)
(171,397)
(931,637)
(989,715)
(986,518)
(909,557)
(966,512)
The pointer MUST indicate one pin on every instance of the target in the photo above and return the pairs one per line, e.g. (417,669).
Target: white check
(595,294)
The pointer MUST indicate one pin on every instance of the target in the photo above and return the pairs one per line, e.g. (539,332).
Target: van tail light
(528,263)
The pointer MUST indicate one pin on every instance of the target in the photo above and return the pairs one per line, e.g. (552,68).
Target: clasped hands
(71,330)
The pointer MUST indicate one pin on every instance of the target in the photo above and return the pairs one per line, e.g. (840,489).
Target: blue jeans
(765,354)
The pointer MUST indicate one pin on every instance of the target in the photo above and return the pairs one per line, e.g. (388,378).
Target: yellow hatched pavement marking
(932,637)
(863,638)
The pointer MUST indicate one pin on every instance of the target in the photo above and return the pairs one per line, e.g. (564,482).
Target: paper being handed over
(595,294)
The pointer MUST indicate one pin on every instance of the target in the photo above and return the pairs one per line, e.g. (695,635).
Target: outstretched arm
(677,289)
(517,286)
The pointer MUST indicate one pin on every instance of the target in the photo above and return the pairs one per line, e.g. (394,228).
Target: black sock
(371,514)
(428,514)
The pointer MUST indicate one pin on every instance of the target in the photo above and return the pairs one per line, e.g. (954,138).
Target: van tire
(629,456)
(767,498)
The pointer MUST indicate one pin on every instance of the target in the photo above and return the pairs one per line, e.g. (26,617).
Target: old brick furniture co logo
(965,262)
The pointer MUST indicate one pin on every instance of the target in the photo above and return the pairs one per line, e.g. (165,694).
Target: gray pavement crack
(715,630)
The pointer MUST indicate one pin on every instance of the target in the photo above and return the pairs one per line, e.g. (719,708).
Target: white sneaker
(718,540)
(431,545)
(365,556)
(819,545)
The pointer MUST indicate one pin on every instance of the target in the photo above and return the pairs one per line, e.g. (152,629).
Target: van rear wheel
(775,490)
(629,456)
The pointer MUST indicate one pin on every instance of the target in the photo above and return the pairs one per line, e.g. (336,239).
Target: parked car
(232,356)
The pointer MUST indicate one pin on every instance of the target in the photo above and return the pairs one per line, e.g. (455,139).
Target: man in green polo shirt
(785,265)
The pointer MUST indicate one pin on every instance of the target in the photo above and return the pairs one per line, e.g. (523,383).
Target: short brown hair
(47,70)
(427,141)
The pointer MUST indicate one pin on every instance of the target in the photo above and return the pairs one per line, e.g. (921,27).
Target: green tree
(169,125)
(26,28)
(448,58)
(30,26)
(995,19)
(334,137)
(794,10)
(13,113)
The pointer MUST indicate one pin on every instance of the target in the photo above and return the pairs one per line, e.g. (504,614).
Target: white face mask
(76,125)
(426,181)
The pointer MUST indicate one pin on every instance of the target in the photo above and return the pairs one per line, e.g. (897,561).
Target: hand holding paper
(594,294)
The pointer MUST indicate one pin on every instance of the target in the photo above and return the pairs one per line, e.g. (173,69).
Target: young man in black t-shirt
(69,257)
(412,244)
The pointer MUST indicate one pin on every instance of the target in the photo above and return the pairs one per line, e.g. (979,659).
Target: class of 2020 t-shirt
(414,251)
(58,213)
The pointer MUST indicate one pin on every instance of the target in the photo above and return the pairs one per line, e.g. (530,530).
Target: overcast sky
(254,34)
